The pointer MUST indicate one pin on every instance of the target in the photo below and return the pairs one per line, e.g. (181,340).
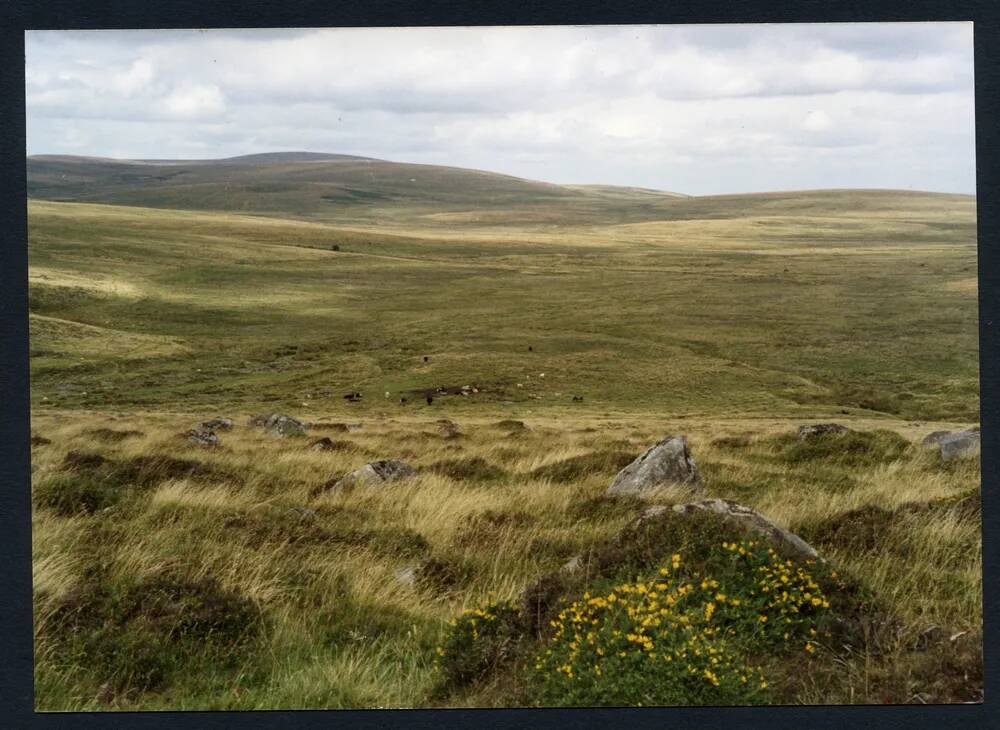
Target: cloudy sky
(696,109)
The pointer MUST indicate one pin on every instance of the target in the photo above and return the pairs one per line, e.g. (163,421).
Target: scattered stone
(218,424)
(665,463)
(279,425)
(749,520)
(376,474)
(960,445)
(205,439)
(448,429)
(820,429)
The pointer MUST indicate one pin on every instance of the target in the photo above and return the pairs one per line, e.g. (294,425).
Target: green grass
(731,319)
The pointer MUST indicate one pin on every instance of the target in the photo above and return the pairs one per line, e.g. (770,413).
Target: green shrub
(479,642)
(681,636)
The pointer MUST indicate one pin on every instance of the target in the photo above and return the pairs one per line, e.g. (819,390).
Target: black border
(16,676)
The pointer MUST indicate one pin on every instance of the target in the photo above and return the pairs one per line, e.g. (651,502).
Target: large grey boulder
(666,463)
(960,445)
(279,425)
(820,429)
(747,519)
(376,474)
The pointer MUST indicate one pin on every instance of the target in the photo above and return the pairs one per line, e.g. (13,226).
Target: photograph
(503,367)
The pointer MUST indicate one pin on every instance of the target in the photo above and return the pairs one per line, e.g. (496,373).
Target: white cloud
(194,101)
(690,108)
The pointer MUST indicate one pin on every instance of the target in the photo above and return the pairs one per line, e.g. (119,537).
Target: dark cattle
(353,397)
(402,400)
(430,399)
(335,247)
(578,399)
(426,359)
(530,349)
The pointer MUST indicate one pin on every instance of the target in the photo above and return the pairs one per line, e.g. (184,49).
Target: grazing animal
(430,399)
(426,359)
(530,349)
(578,399)
(353,397)
(335,247)
(402,400)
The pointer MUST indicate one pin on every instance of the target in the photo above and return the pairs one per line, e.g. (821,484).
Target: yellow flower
(762,618)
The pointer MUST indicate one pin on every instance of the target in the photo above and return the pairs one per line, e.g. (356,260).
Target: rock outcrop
(279,425)
(376,474)
(666,463)
(205,439)
(749,520)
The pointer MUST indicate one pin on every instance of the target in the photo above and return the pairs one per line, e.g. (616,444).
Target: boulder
(748,520)
(376,474)
(665,463)
(279,425)
(205,439)
(820,429)
(960,445)
(218,424)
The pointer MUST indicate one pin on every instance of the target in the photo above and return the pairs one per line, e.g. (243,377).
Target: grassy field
(731,319)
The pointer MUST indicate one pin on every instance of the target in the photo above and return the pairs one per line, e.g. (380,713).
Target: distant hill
(353,188)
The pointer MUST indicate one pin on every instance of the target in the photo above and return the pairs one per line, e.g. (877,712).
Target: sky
(693,109)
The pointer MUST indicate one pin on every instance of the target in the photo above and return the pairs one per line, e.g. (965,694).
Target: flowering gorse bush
(478,641)
(681,636)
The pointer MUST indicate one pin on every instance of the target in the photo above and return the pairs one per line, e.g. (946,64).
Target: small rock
(205,439)
(218,424)
(750,520)
(820,429)
(448,429)
(376,474)
(279,425)
(665,463)
(406,576)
